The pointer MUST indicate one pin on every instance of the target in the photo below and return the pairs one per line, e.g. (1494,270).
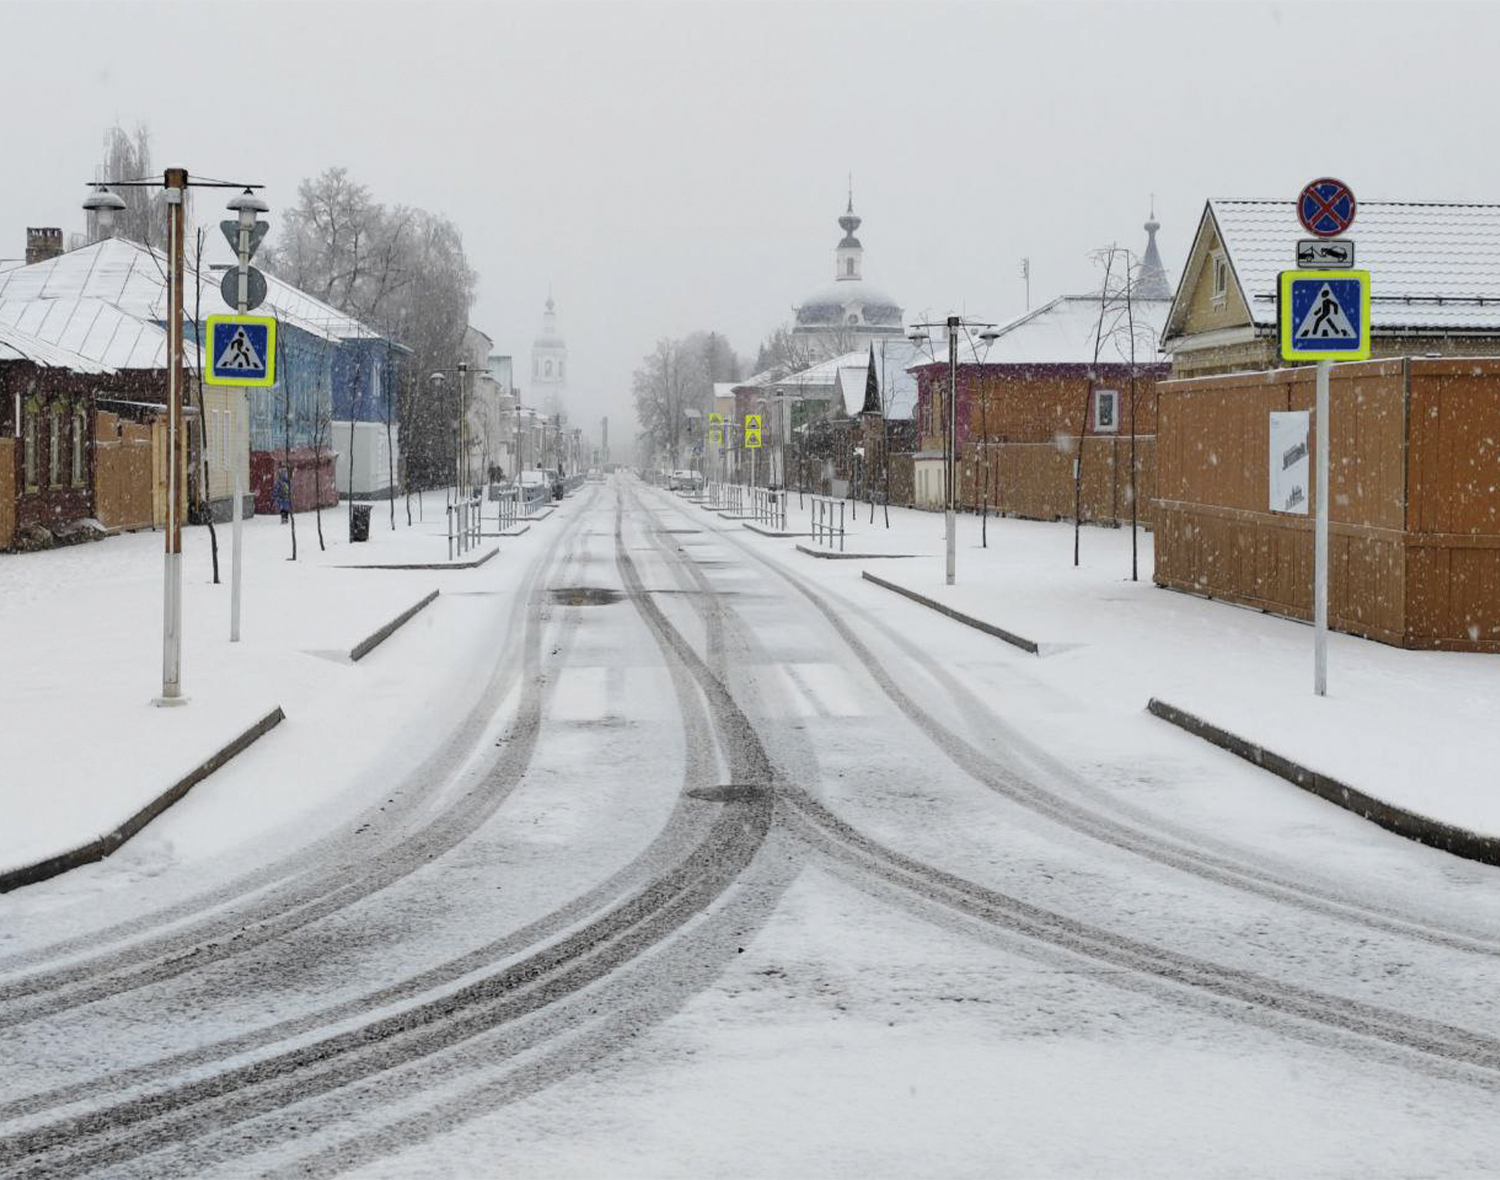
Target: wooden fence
(1414,532)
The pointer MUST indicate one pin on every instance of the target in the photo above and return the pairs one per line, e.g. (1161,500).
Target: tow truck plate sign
(1325,253)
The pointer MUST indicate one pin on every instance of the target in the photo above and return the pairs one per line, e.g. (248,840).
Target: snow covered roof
(1062,333)
(94,329)
(16,345)
(851,386)
(133,278)
(1434,266)
(893,359)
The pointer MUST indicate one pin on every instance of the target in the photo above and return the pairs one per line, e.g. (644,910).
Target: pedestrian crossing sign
(716,429)
(752,432)
(1325,315)
(241,350)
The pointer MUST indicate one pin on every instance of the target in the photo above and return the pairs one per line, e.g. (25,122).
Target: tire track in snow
(361,868)
(128,1130)
(1008,781)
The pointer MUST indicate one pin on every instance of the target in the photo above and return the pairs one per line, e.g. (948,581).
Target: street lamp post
(104,205)
(918,336)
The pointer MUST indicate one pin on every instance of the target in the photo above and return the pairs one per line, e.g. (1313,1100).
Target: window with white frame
(1221,277)
(1106,411)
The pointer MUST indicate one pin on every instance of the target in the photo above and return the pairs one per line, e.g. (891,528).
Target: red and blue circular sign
(1326,207)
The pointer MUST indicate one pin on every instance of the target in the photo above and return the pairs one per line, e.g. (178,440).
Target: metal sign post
(1325,316)
(1320,539)
(244,234)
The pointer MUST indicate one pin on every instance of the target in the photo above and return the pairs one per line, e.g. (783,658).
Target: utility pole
(176,180)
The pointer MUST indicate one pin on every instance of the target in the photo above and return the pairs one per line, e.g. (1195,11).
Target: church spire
(849,257)
(1151,280)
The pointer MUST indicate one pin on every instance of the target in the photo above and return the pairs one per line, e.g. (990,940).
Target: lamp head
(104,205)
(247,205)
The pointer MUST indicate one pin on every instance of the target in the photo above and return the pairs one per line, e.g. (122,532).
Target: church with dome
(848,314)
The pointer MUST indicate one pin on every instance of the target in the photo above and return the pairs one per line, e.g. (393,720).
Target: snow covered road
(737,865)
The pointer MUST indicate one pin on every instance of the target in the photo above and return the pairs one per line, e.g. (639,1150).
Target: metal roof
(1434,266)
(95,330)
(16,345)
(133,278)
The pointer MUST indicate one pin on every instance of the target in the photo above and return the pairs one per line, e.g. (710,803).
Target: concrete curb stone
(1393,818)
(96,850)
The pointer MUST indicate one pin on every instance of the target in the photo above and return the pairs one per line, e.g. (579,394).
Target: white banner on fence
(1289,462)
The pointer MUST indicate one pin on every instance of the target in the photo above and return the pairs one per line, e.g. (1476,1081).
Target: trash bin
(359,522)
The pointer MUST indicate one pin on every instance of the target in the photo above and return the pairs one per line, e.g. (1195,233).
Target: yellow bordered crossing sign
(241,350)
(1325,315)
(716,429)
(752,431)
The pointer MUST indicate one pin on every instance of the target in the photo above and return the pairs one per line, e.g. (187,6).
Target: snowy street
(684,853)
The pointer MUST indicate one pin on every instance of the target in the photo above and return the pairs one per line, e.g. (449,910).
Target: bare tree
(127,156)
(284,377)
(402,268)
(205,506)
(1108,258)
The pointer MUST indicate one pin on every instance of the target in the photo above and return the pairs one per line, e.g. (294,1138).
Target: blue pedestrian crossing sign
(241,350)
(1325,315)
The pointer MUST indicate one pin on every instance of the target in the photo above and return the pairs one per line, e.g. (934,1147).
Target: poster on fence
(1289,465)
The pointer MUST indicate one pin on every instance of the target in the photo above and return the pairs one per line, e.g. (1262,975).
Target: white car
(684,480)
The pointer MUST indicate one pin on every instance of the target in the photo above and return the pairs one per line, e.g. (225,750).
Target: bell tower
(549,363)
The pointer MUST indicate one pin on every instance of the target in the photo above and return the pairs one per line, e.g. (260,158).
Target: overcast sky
(673,167)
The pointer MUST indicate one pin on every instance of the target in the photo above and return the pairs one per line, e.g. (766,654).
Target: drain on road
(585,595)
(728,793)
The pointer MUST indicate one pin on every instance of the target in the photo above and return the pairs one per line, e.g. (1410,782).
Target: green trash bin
(359,522)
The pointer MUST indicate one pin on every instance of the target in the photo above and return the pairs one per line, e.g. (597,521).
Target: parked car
(686,481)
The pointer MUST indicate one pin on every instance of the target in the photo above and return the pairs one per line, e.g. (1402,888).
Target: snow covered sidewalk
(81,631)
(1416,730)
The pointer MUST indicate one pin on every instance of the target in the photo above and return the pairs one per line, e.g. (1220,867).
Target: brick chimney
(42,244)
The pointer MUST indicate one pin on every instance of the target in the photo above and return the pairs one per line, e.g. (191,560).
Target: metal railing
(505,506)
(768,506)
(823,527)
(464,523)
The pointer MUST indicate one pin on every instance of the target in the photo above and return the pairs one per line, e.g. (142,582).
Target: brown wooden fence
(1414,532)
(1035,479)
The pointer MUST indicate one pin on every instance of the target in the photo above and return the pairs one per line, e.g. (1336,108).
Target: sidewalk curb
(429,565)
(1027,645)
(1411,824)
(98,849)
(830,555)
(768,532)
(365,646)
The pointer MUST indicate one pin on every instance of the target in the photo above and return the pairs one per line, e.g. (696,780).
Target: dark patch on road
(585,595)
